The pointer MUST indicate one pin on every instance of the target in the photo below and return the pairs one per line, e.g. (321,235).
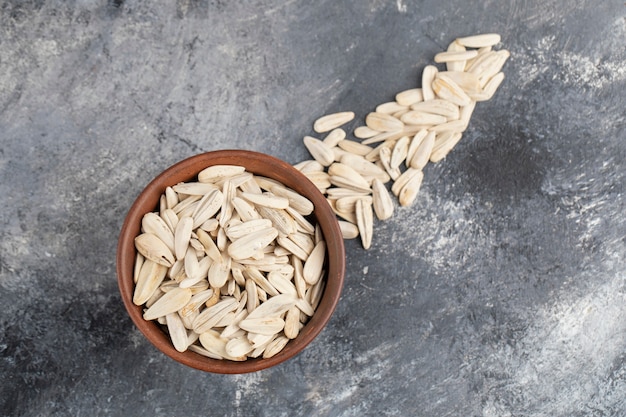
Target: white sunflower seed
(171,301)
(275,346)
(422,153)
(153,223)
(447,89)
(334,136)
(194,188)
(208,318)
(408,193)
(247,246)
(455,65)
(182,235)
(314,264)
(153,248)
(383,205)
(450,56)
(274,306)
(207,207)
(443,145)
(365,222)
(442,108)
(348,230)
(428,76)
(310,165)
(364,132)
(479,41)
(177,331)
(150,277)
(385,158)
(320,151)
(415,142)
(409,97)
(403,180)
(217,173)
(383,122)
(332,121)
(292,323)
(390,107)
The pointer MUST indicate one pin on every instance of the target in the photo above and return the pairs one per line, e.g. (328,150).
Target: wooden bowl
(256,163)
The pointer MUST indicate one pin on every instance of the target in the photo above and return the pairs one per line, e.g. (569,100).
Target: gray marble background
(501,292)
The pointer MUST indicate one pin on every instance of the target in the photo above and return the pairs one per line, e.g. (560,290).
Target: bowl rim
(260,164)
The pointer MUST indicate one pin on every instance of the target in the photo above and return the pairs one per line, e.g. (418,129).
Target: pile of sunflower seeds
(401,137)
(230,265)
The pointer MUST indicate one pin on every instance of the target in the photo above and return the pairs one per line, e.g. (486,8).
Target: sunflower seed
(468,81)
(139,260)
(207,207)
(428,76)
(450,56)
(415,142)
(171,197)
(385,158)
(479,41)
(243,229)
(364,167)
(350,178)
(348,203)
(403,180)
(409,97)
(194,188)
(153,248)
(390,107)
(442,108)
(217,173)
(288,244)
(364,221)
(275,346)
(445,88)
(219,272)
(443,145)
(297,201)
(383,122)
(171,301)
(408,193)
(274,306)
(320,179)
(314,264)
(332,121)
(348,230)
(455,65)
(177,331)
(399,152)
(292,323)
(207,319)
(310,165)
(422,153)
(153,223)
(182,235)
(150,277)
(238,347)
(170,218)
(320,151)
(196,302)
(364,132)
(383,205)
(247,246)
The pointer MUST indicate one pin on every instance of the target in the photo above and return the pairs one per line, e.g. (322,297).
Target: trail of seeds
(389,153)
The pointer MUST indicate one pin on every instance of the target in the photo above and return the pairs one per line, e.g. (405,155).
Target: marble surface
(501,292)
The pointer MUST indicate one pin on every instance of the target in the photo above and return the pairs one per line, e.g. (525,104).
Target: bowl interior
(256,163)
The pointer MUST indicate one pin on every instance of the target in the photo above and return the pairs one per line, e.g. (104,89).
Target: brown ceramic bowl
(256,163)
